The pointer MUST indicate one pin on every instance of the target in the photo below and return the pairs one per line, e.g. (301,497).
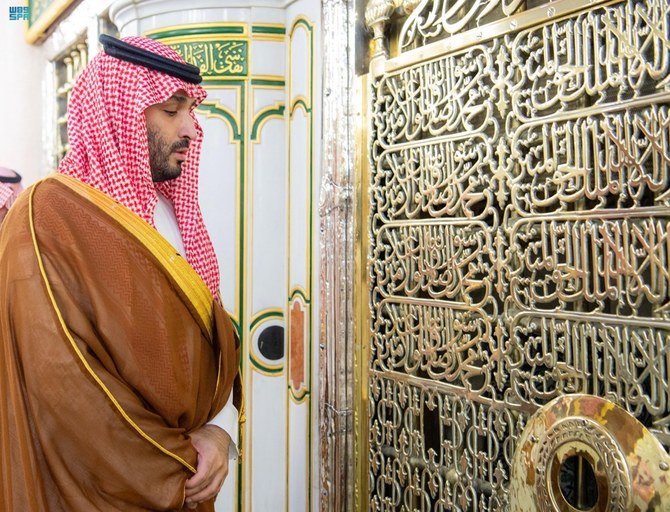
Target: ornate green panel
(221,51)
(217,58)
(37,8)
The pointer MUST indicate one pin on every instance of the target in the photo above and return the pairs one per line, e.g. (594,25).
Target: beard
(159,157)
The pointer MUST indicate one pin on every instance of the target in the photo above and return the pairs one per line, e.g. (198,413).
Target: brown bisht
(111,351)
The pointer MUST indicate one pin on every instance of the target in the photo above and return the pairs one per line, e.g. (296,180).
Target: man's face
(171,129)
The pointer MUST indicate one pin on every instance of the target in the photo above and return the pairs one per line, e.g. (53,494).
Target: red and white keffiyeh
(109,146)
(7,196)
(8,192)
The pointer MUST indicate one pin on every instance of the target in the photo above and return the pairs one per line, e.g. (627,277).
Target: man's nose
(187,128)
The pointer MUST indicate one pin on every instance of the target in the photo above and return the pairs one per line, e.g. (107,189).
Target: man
(116,356)
(10,187)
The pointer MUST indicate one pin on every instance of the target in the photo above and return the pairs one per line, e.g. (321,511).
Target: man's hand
(211,443)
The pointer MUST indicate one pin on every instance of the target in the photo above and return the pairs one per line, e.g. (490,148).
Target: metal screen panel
(518,243)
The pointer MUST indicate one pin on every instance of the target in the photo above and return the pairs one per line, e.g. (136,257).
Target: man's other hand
(211,443)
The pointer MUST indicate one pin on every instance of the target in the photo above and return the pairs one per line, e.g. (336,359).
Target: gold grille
(519,249)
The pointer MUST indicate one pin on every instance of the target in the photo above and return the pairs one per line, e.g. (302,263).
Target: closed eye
(171,113)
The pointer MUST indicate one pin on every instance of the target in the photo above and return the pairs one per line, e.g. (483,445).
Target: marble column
(258,196)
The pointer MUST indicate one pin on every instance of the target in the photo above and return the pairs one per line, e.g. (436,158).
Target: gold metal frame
(35,31)
(361,297)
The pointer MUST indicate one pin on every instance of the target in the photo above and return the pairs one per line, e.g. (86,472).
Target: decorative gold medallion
(584,453)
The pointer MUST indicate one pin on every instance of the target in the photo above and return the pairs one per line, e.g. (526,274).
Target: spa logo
(18,12)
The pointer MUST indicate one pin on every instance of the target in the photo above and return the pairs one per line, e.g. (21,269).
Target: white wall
(21,67)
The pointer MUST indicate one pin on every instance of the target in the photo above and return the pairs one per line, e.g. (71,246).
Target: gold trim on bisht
(179,269)
(82,358)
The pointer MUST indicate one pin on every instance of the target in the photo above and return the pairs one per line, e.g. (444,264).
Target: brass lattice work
(519,249)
